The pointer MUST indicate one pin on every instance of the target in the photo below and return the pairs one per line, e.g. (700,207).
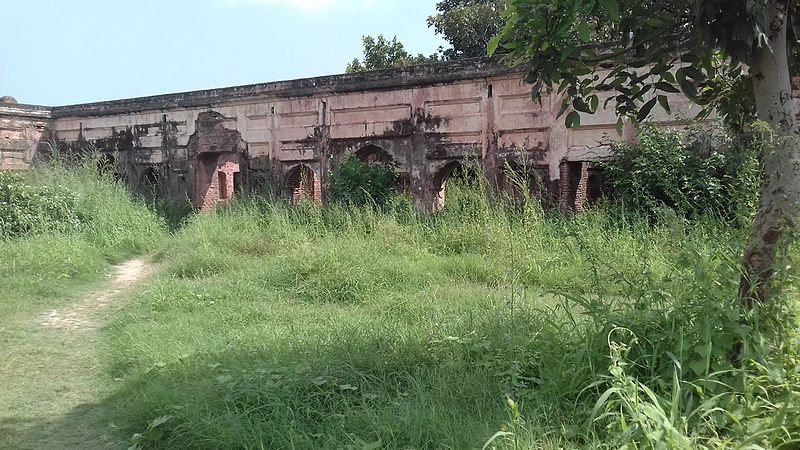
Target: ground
(51,372)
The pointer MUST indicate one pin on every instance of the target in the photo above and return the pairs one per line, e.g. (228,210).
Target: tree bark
(779,206)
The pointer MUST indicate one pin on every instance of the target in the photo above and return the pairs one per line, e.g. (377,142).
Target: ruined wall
(23,133)
(427,119)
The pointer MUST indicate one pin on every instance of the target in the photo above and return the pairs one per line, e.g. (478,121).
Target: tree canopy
(642,50)
(381,53)
(467,25)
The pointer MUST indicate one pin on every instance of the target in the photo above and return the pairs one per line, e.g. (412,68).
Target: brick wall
(303,183)
(208,179)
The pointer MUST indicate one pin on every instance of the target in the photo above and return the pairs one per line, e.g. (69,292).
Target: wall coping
(26,111)
(387,79)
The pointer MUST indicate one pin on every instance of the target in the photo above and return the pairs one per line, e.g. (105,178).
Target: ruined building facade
(289,135)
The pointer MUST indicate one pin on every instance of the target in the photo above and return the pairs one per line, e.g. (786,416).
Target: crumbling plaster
(424,117)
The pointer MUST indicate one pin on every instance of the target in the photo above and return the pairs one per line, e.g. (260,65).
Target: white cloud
(310,5)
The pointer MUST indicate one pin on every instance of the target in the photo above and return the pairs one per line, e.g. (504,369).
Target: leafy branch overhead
(642,50)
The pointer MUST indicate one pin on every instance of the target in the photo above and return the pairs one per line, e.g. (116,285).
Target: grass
(270,326)
(50,379)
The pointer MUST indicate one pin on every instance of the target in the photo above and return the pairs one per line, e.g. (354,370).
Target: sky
(60,52)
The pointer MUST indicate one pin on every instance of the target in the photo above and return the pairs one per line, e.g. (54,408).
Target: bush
(360,183)
(694,173)
(26,209)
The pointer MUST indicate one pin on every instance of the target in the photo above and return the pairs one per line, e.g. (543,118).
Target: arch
(150,177)
(521,180)
(372,154)
(452,170)
(302,183)
(595,188)
(107,165)
(214,178)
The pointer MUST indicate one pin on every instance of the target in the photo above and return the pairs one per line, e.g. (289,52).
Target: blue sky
(58,52)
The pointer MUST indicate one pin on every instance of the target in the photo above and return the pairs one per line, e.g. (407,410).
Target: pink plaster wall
(423,128)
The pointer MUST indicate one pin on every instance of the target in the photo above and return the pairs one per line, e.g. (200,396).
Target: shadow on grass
(81,428)
(387,391)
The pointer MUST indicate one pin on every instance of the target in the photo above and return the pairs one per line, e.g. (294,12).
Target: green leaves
(573,120)
(671,47)
(584,32)
(26,209)
(362,183)
(667,87)
(611,9)
(468,26)
(645,109)
(664,102)
(152,436)
(381,53)
(694,174)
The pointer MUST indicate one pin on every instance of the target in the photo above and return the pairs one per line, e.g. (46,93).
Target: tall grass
(487,323)
(490,323)
(49,261)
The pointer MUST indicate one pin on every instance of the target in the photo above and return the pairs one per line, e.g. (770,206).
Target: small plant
(151,436)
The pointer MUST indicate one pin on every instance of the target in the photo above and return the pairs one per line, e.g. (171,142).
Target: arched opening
(149,178)
(107,165)
(520,182)
(595,189)
(302,183)
(372,154)
(223,185)
(149,183)
(215,176)
(453,172)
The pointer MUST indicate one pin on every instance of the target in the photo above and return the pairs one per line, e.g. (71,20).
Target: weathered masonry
(206,145)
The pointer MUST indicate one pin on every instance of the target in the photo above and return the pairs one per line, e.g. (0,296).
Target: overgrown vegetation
(695,173)
(361,183)
(26,209)
(347,326)
(490,323)
(61,223)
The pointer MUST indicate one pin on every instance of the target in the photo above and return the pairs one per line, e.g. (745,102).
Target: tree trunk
(779,207)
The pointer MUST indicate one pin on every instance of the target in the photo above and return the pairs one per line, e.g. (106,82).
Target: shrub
(360,183)
(26,209)
(694,173)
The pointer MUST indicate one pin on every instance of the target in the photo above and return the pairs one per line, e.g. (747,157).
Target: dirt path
(52,390)
(83,316)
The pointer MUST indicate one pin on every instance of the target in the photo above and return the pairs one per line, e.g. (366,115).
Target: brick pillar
(581,187)
(573,184)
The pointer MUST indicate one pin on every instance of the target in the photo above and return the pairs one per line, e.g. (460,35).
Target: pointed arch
(373,154)
(451,170)
(302,183)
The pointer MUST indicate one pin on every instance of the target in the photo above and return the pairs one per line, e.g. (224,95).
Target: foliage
(467,25)
(348,326)
(338,326)
(641,51)
(362,183)
(380,53)
(695,174)
(47,372)
(26,209)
